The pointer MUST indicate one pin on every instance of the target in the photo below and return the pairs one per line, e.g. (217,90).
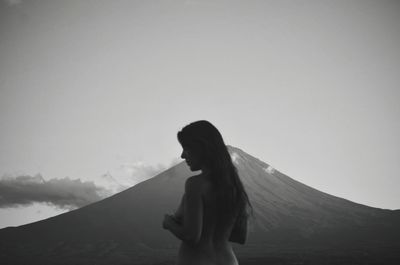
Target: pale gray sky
(95,87)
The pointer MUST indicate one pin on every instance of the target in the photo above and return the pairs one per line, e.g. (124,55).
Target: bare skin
(203,243)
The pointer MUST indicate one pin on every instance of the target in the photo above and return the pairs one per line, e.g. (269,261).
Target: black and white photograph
(199,132)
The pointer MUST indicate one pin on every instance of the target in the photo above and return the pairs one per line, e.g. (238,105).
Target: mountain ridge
(288,213)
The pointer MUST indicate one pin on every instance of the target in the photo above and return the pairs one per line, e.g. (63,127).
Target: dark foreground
(312,255)
(249,255)
(319,257)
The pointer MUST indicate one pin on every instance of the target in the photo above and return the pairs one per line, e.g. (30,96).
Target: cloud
(235,157)
(64,193)
(130,174)
(270,170)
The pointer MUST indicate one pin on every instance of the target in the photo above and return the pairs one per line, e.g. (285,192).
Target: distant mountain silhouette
(126,227)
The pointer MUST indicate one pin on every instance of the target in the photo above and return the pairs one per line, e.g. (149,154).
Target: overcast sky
(92,94)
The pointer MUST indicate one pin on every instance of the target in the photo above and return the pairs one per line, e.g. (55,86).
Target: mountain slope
(289,210)
(126,228)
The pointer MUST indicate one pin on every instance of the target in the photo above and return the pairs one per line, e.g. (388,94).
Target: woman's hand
(168,220)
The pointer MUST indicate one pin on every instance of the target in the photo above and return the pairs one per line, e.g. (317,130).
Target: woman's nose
(183,155)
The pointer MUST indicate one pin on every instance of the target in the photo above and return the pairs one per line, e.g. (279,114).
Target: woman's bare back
(214,247)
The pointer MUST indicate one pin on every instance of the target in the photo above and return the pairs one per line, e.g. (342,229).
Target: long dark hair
(206,141)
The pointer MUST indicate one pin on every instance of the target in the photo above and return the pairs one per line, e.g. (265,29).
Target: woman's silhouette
(215,207)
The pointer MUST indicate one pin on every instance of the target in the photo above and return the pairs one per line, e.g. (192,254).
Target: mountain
(290,220)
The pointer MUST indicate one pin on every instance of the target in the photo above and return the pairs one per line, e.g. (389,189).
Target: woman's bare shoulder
(198,182)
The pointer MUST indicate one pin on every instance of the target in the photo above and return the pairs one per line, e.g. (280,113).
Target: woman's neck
(206,172)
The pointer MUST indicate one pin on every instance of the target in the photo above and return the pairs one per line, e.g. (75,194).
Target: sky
(92,94)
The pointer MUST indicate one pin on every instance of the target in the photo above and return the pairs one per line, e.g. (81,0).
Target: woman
(214,207)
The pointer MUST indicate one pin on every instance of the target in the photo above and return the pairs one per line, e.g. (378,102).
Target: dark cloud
(64,193)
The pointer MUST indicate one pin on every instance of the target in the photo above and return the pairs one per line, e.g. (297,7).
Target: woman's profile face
(192,159)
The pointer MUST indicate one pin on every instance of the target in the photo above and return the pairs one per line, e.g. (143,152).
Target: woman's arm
(178,215)
(190,230)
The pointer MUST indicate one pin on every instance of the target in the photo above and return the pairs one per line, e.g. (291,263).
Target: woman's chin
(193,168)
